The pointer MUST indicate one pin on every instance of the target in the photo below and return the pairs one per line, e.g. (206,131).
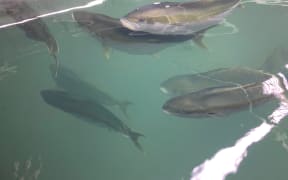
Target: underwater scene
(146,90)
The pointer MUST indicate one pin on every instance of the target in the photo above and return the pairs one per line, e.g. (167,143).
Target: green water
(69,148)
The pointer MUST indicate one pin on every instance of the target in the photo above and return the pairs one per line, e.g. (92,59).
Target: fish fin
(57,63)
(198,39)
(107,52)
(106,49)
(134,137)
(52,46)
(123,107)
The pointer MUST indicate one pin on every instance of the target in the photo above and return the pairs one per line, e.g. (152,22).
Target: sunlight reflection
(227,160)
(89,4)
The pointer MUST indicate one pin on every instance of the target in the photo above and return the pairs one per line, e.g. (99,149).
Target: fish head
(149,18)
(52,97)
(184,106)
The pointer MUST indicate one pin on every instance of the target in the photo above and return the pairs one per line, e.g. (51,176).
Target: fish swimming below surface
(35,29)
(187,83)
(178,18)
(72,83)
(90,111)
(112,34)
(217,101)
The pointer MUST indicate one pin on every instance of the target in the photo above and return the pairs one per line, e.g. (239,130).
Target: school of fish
(147,30)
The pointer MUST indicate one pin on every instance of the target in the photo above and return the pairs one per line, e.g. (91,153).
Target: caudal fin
(123,107)
(134,136)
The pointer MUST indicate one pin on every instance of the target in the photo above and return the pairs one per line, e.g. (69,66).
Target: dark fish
(178,18)
(90,111)
(182,84)
(72,83)
(111,33)
(217,101)
(35,29)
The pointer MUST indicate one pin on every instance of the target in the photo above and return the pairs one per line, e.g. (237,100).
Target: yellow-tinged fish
(178,18)
(111,33)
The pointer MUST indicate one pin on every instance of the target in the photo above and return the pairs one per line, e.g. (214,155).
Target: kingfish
(89,110)
(217,101)
(178,18)
(72,83)
(112,34)
(186,83)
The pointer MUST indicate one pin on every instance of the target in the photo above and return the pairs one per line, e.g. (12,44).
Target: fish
(35,29)
(217,101)
(234,76)
(72,83)
(113,34)
(178,18)
(89,110)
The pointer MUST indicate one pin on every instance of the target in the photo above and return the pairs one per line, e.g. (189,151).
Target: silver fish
(178,18)
(72,83)
(112,34)
(217,101)
(90,111)
(182,84)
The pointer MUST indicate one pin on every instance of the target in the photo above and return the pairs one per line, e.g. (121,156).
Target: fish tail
(134,136)
(123,107)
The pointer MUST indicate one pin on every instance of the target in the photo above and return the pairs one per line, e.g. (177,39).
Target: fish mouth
(128,24)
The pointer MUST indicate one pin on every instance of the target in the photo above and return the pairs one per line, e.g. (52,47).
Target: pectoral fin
(198,39)
(106,49)
(107,52)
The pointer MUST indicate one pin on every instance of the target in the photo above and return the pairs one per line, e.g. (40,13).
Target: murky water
(39,141)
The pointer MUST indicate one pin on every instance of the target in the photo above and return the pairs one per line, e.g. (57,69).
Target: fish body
(90,111)
(72,83)
(217,101)
(182,84)
(111,33)
(34,29)
(178,18)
